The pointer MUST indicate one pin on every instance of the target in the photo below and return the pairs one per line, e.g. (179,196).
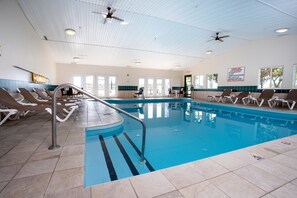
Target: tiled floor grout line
(23,164)
(132,187)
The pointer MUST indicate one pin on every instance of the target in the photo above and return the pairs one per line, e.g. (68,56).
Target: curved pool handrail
(54,112)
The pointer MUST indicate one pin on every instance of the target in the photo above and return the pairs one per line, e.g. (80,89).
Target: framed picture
(235,74)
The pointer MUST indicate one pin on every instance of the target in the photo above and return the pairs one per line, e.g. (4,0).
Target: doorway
(188,85)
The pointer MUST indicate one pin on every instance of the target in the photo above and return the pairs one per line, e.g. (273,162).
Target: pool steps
(117,156)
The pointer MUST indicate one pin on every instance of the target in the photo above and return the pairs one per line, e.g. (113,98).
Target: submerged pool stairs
(117,157)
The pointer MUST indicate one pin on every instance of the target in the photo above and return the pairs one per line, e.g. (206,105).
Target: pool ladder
(54,113)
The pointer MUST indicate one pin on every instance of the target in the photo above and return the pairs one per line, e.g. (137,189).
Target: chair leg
(292,106)
(270,103)
(234,102)
(260,104)
(10,112)
(73,108)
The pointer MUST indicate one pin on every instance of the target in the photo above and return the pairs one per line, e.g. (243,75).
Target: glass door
(150,87)
(101,85)
(77,81)
(188,85)
(159,87)
(90,84)
(112,86)
(167,86)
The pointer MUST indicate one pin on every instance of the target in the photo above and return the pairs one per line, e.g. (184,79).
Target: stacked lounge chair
(290,100)
(239,97)
(226,92)
(11,105)
(266,95)
(43,96)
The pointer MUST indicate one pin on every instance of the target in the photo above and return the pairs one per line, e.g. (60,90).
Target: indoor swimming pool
(178,131)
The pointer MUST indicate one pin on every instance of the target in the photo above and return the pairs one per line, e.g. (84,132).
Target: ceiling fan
(108,17)
(218,38)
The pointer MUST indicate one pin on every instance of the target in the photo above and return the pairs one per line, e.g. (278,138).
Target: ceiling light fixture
(177,66)
(76,59)
(281,30)
(70,32)
(208,52)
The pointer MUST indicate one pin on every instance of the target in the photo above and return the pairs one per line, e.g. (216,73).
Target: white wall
(21,46)
(65,73)
(253,55)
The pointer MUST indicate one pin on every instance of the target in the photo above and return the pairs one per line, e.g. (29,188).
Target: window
(167,86)
(150,86)
(89,83)
(140,82)
(295,76)
(101,85)
(212,81)
(112,85)
(271,77)
(159,87)
(77,81)
(198,81)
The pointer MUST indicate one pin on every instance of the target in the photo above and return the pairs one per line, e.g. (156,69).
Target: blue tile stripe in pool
(109,158)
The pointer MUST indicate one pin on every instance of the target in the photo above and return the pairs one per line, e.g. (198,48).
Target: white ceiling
(161,33)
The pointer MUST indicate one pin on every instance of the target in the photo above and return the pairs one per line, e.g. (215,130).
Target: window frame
(270,77)
(195,79)
(207,84)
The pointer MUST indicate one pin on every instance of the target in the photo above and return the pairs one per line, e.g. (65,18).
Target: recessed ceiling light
(124,23)
(177,66)
(138,63)
(70,32)
(281,30)
(76,59)
(208,52)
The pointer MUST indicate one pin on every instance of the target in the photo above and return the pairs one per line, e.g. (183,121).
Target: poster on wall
(236,74)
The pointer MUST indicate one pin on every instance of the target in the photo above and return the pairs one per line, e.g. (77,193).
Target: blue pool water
(177,132)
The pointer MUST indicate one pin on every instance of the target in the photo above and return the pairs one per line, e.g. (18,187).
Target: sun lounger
(226,92)
(265,96)
(30,98)
(290,100)
(46,97)
(139,92)
(11,105)
(239,97)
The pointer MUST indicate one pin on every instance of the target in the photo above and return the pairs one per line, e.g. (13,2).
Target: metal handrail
(54,113)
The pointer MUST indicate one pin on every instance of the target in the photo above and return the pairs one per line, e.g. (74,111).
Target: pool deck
(29,169)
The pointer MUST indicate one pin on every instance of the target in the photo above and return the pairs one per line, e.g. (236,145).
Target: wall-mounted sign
(235,74)
(37,78)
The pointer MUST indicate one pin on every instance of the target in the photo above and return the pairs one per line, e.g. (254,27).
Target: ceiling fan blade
(113,11)
(117,18)
(220,40)
(103,14)
(210,40)
(224,36)
(213,37)
(105,20)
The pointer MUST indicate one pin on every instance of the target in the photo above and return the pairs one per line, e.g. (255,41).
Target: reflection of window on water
(210,119)
(159,110)
(198,116)
(140,115)
(188,112)
(166,110)
(150,110)
(188,109)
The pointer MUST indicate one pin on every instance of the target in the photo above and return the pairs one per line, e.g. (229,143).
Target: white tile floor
(29,169)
